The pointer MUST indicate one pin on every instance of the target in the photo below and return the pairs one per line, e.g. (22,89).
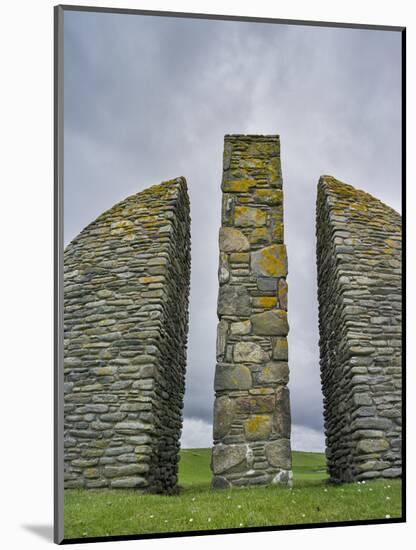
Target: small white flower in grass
(387,498)
(370,489)
(303,515)
(387,516)
(191,520)
(228,498)
(325,490)
(359,490)
(241,525)
(193,499)
(209,519)
(166,520)
(363,482)
(151,517)
(389,486)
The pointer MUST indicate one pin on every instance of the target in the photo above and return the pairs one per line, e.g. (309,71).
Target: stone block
(129,483)
(249,352)
(278,453)
(267,283)
(240,328)
(255,404)
(270,261)
(372,445)
(259,235)
(233,300)
(232,378)
(238,186)
(224,412)
(246,216)
(270,323)
(264,302)
(233,240)
(280,349)
(272,197)
(274,372)
(226,457)
(258,427)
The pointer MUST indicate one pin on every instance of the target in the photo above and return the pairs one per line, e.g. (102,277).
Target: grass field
(94,513)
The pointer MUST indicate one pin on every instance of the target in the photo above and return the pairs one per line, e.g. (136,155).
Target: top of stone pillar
(339,191)
(251,137)
(135,208)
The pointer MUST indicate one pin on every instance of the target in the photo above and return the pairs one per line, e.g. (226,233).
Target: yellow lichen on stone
(273,170)
(257,427)
(238,186)
(124,228)
(151,279)
(271,264)
(393,243)
(261,217)
(359,206)
(239,257)
(252,424)
(265,301)
(269,196)
(147,219)
(270,261)
(261,391)
(283,293)
(246,216)
(281,349)
(259,235)
(277,232)
(257,163)
(262,149)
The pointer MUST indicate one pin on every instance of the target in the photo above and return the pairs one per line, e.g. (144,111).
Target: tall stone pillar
(360,304)
(251,410)
(126,287)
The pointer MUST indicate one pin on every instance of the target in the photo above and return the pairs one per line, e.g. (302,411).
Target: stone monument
(251,410)
(126,286)
(360,305)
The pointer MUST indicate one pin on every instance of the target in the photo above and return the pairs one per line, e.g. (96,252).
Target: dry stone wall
(251,410)
(126,286)
(359,291)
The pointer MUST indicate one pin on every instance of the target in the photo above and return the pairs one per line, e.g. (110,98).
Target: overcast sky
(148,99)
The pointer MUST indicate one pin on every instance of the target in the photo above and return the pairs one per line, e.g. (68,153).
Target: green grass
(194,467)
(94,513)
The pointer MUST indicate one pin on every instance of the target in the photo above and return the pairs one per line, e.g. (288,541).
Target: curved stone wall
(251,410)
(126,286)
(359,291)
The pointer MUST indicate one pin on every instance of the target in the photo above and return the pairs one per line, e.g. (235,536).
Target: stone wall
(251,410)
(359,291)
(126,285)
